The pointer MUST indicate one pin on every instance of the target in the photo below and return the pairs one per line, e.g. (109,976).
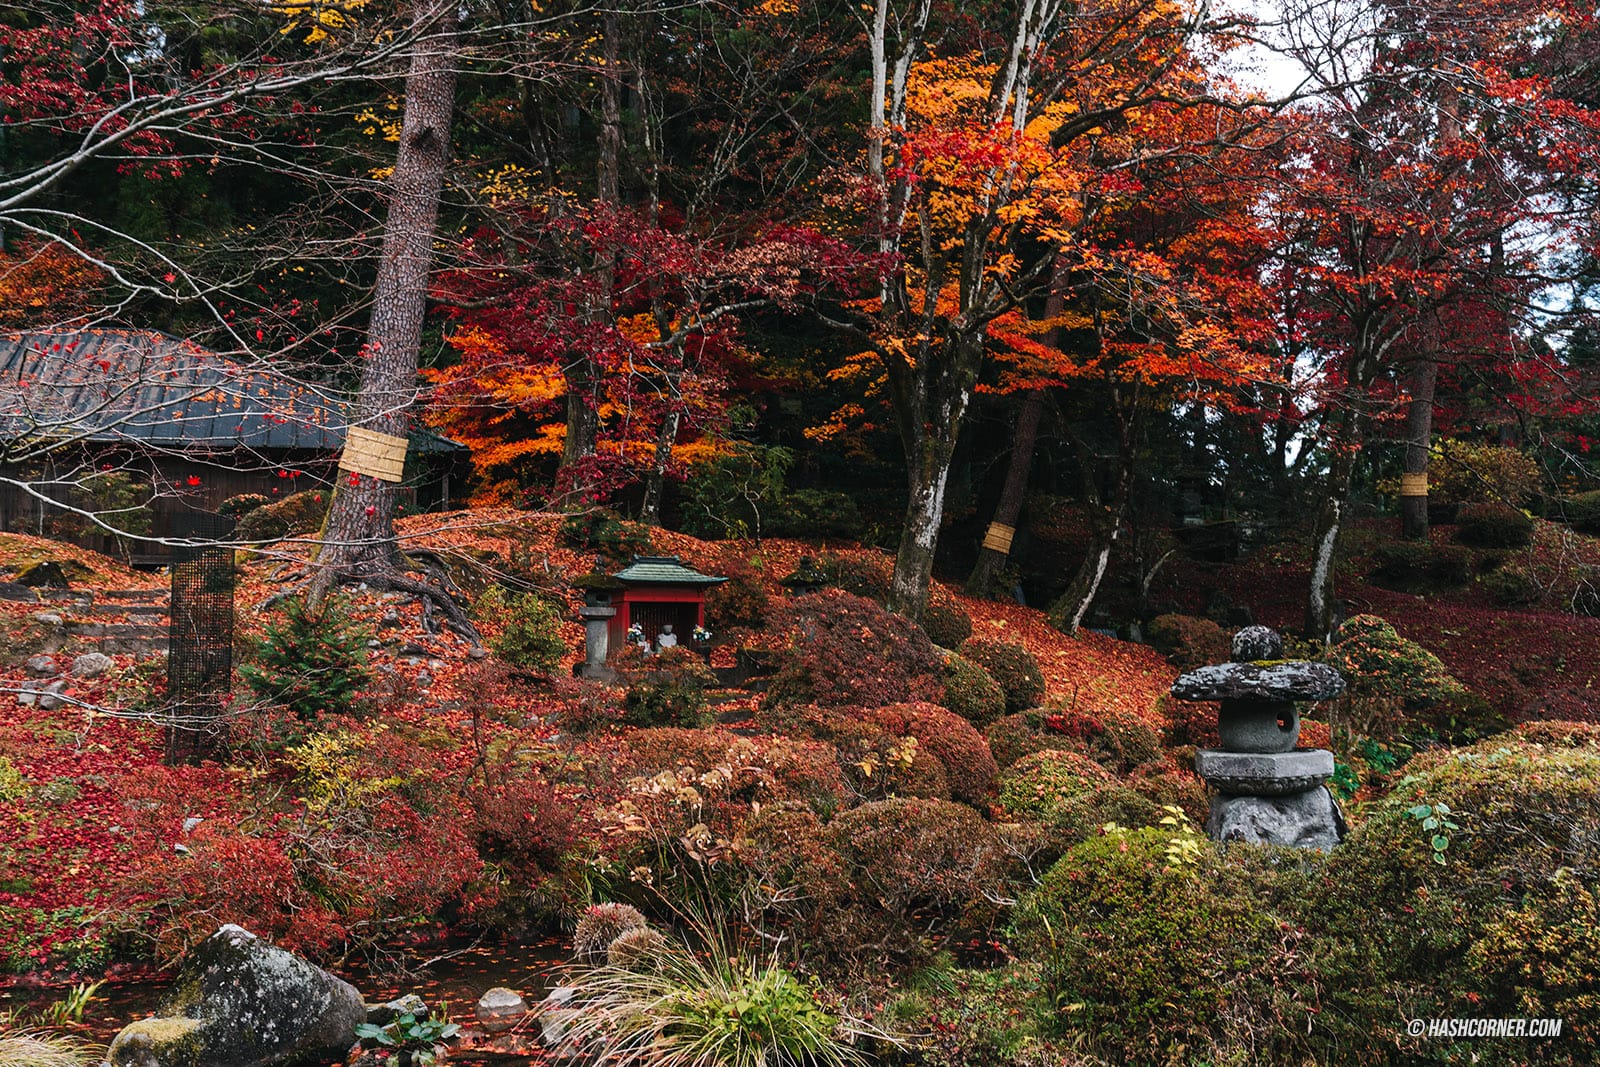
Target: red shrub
(874,759)
(847,651)
(968,765)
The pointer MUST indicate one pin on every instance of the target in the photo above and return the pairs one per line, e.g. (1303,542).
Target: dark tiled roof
(662,570)
(153,388)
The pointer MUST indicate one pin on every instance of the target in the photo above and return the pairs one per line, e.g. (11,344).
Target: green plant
(1189,641)
(310,660)
(1467,471)
(242,504)
(1013,667)
(1494,526)
(117,499)
(600,925)
(717,1007)
(1420,567)
(524,629)
(12,785)
(604,531)
(664,689)
(408,1039)
(298,513)
(971,692)
(1153,941)
(1436,823)
(947,624)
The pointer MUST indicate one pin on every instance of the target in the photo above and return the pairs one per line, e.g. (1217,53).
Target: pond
(455,981)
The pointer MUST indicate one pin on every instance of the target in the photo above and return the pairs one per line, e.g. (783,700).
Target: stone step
(113,629)
(141,610)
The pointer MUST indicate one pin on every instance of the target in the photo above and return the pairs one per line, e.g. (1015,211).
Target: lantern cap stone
(1280,681)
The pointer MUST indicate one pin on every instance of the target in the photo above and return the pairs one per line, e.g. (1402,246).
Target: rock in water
(242,1002)
(1307,819)
(500,1009)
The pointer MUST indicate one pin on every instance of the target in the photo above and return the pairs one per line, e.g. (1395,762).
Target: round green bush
(970,692)
(1494,526)
(665,689)
(242,504)
(947,624)
(1158,949)
(1471,883)
(524,629)
(1011,737)
(1013,667)
(1037,785)
(298,513)
(1583,511)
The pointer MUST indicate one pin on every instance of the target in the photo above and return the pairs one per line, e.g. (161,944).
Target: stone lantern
(807,578)
(596,615)
(1269,791)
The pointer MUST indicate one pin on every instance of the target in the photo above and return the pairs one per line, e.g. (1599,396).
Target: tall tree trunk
(931,401)
(582,376)
(996,548)
(656,481)
(1322,606)
(1419,436)
(358,535)
(1067,613)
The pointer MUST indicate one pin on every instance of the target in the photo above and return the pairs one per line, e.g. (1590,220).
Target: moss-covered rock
(239,1001)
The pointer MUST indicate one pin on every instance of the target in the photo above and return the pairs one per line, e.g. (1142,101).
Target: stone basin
(1272,682)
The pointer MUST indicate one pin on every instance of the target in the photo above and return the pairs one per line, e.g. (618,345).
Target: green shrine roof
(663,570)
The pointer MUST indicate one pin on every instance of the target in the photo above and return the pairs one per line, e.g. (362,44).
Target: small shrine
(657,592)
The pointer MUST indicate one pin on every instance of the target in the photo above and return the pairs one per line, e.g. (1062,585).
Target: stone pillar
(596,639)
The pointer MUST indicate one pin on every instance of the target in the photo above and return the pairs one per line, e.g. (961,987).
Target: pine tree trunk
(991,559)
(358,535)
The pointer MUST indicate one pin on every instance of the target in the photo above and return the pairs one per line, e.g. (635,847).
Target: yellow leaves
(503,185)
(319,20)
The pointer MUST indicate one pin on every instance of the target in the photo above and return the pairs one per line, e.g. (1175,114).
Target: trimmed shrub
(524,629)
(915,868)
(664,689)
(970,692)
(1013,667)
(298,513)
(862,575)
(765,770)
(1419,567)
(960,749)
(242,504)
(741,601)
(604,531)
(1011,737)
(602,924)
(845,650)
(876,762)
(1583,511)
(1116,739)
(1494,526)
(1469,883)
(1038,784)
(1512,587)
(1377,662)
(312,661)
(1189,641)
(947,624)
(1153,943)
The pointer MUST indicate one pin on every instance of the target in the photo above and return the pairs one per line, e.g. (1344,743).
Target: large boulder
(242,1002)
